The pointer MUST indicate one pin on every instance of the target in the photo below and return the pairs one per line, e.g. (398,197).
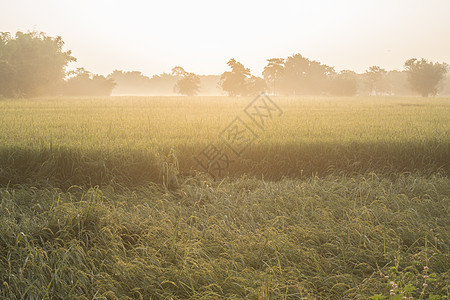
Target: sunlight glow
(200,35)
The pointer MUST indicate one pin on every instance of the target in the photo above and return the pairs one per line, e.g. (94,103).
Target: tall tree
(188,84)
(376,80)
(303,76)
(34,62)
(234,82)
(424,76)
(273,72)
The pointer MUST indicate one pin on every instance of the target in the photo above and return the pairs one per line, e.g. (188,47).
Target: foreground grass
(318,238)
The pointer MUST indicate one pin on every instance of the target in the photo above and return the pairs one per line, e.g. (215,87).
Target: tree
(256,85)
(344,83)
(303,76)
(162,84)
(445,86)
(425,76)
(6,79)
(398,83)
(178,71)
(376,80)
(273,72)
(131,82)
(33,62)
(188,84)
(83,83)
(234,82)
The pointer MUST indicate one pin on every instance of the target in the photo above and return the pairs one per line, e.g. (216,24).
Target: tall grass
(243,238)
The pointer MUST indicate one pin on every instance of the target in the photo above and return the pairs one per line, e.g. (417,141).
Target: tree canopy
(32,64)
(376,80)
(424,76)
(304,76)
(344,83)
(83,83)
(188,84)
(234,82)
(239,81)
(274,72)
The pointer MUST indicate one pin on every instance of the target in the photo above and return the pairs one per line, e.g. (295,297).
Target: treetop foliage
(188,83)
(239,82)
(424,76)
(34,64)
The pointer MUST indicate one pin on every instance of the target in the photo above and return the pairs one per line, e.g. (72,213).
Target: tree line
(34,64)
(297,75)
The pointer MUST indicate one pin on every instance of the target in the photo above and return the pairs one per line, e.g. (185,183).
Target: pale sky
(202,35)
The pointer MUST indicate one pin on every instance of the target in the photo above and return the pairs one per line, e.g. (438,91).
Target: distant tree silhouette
(84,83)
(425,76)
(397,83)
(135,83)
(131,82)
(445,85)
(273,72)
(178,71)
(376,80)
(33,63)
(303,76)
(256,85)
(234,82)
(188,84)
(7,75)
(344,83)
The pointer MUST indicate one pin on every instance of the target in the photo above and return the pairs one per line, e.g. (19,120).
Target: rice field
(128,141)
(336,198)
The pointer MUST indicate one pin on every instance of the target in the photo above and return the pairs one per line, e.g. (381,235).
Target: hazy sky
(202,35)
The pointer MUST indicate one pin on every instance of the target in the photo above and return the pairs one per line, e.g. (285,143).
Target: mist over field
(235,150)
